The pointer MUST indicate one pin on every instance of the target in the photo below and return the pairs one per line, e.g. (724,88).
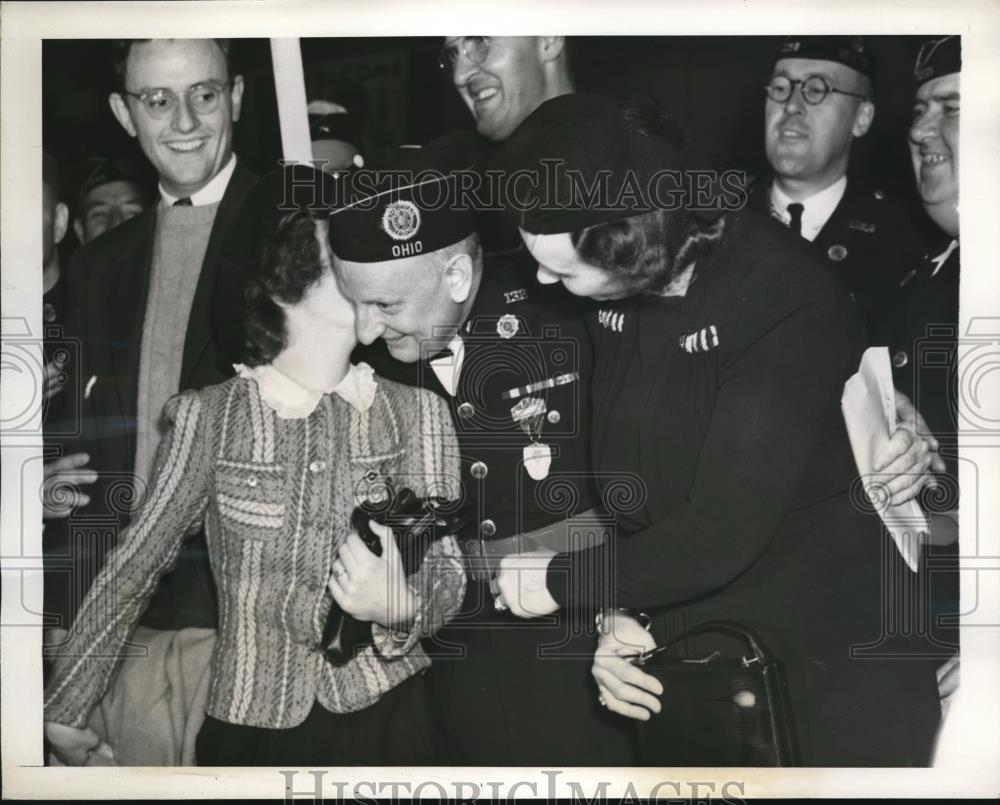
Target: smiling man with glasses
(503,79)
(819,99)
(140,303)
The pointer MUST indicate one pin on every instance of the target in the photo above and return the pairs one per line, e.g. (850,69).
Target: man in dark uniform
(514,364)
(819,99)
(921,325)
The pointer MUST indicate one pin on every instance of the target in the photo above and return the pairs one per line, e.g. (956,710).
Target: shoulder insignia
(837,252)
(862,226)
(518,295)
(700,341)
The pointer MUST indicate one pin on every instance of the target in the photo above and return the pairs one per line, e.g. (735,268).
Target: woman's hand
(74,746)
(369,587)
(520,584)
(625,688)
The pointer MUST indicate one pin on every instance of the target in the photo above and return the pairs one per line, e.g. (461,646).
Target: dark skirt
(510,692)
(395,731)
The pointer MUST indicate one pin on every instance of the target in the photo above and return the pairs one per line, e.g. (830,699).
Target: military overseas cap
(579,160)
(851,51)
(405,203)
(331,121)
(97,171)
(939,56)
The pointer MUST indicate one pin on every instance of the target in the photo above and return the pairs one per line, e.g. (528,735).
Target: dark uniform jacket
(920,327)
(726,404)
(109,282)
(870,240)
(507,691)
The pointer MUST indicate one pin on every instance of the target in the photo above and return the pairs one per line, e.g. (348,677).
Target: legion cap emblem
(401,220)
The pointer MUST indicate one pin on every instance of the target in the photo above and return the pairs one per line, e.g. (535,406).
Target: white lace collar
(291,400)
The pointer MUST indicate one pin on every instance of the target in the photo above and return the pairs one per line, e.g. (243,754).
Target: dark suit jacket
(109,281)
(870,241)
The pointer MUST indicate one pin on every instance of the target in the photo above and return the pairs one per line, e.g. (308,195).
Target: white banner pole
(290,87)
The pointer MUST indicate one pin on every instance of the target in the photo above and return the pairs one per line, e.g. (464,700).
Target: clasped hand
(906,462)
(369,587)
(521,584)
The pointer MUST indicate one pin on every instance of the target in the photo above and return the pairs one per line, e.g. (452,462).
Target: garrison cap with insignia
(573,143)
(938,56)
(97,171)
(406,202)
(851,51)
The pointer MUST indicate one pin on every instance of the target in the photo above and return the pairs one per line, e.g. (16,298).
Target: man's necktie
(795,218)
(186,202)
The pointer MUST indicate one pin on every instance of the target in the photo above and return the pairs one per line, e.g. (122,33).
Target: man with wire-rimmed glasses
(820,97)
(503,79)
(140,305)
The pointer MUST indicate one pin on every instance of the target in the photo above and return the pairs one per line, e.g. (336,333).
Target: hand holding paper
(869,404)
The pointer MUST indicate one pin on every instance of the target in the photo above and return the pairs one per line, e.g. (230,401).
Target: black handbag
(716,710)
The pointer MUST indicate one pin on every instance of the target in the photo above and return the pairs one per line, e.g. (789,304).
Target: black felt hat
(581,159)
(851,51)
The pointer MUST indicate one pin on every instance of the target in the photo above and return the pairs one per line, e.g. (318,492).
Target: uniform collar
(211,193)
(816,210)
(291,400)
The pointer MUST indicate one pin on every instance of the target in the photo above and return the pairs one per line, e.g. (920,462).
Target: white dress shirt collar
(211,193)
(289,399)
(942,258)
(816,210)
(448,367)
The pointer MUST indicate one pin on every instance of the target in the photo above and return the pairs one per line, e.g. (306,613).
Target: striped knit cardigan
(275,496)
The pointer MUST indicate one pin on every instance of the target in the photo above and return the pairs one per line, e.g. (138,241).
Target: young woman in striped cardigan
(273,462)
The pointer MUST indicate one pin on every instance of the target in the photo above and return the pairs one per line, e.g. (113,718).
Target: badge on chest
(529,415)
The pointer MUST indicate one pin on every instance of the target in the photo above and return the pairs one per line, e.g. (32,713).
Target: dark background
(714,85)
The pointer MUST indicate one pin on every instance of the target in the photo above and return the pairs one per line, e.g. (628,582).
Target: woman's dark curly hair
(289,262)
(650,251)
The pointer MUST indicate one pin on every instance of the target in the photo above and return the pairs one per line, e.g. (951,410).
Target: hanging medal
(529,414)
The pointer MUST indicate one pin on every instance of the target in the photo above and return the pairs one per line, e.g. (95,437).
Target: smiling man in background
(140,306)
(503,79)
(820,98)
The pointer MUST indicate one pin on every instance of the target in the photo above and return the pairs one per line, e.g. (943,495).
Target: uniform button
(317,466)
(479,470)
(252,481)
(900,359)
(554,417)
(465,410)
(487,528)
(880,194)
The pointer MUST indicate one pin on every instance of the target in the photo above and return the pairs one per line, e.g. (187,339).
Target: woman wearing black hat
(722,351)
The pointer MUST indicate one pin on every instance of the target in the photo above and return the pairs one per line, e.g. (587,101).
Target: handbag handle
(749,637)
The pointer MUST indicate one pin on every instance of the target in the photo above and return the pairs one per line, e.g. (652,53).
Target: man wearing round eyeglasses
(819,99)
(503,79)
(140,302)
